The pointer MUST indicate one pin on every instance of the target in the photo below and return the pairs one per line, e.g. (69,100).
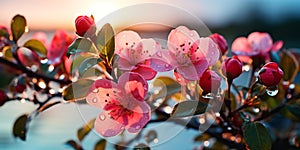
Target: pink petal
(261,42)
(144,50)
(181,35)
(133,84)
(125,39)
(193,72)
(107,126)
(180,79)
(124,64)
(146,71)
(240,46)
(58,47)
(209,49)
(102,92)
(277,46)
(162,61)
(139,118)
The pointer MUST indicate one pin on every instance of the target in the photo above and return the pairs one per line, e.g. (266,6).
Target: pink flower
(122,103)
(189,54)
(135,53)
(257,44)
(58,47)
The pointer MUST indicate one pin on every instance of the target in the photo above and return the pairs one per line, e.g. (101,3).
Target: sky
(60,14)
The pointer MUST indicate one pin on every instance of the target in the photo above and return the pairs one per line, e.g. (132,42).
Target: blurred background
(231,18)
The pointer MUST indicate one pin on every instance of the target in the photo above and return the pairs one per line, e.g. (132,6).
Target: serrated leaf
(87,64)
(106,42)
(188,108)
(81,45)
(18,25)
(257,136)
(85,130)
(294,109)
(74,145)
(141,147)
(289,66)
(77,90)
(100,145)
(20,127)
(36,46)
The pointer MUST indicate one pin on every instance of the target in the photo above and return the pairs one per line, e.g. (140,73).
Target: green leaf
(202,137)
(20,127)
(188,108)
(77,90)
(85,130)
(81,45)
(257,136)
(36,46)
(100,145)
(141,147)
(91,72)
(87,64)
(3,33)
(106,42)
(294,109)
(74,145)
(7,53)
(289,66)
(78,58)
(18,25)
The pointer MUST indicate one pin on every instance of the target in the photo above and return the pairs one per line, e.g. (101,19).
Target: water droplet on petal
(95,91)
(208,96)
(95,100)
(272,92)
(137,127)
(167,65)
(102,117)
(159,54)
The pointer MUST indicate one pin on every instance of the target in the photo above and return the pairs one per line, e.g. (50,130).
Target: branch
(31,73)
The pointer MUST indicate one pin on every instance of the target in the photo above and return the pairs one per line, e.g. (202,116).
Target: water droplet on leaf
(272,92)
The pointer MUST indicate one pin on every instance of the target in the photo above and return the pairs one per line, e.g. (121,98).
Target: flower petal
(146,71)
(261,42)
(107,126)
(193,72)
(162,61)
(141,114)
(124,41)
(134,84)
(209,49)
(240,46)
(179,36)
(124,64)
(102,92)
(277,46)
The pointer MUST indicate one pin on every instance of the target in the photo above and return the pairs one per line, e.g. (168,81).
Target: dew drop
(272,92)
(207,96)
(167,65)
(95,91)
(159,54)
(95,100)
(102,117)
(137,127)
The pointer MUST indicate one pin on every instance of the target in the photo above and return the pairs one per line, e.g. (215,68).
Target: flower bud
(85,25)
(270,74)
(220,41)
(19,88)
(3,97)
(210,81)
(232,67)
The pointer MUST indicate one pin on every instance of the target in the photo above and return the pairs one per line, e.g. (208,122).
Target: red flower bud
(85,24)
(3,97)
(232,67)
(220,41)
(19,88)
(210,81)
(270,74)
